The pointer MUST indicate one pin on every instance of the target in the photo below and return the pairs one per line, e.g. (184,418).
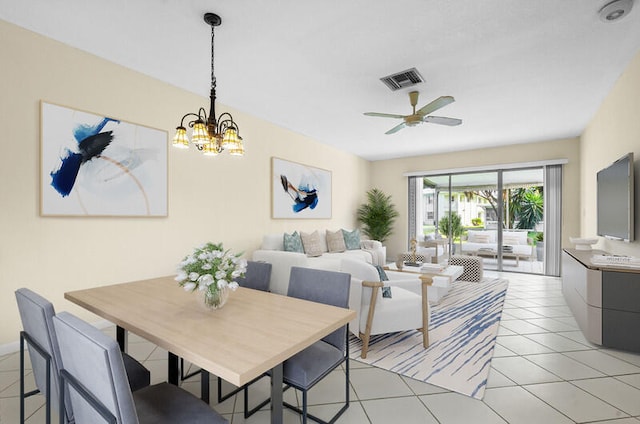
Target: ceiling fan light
(180,140)
(200,136)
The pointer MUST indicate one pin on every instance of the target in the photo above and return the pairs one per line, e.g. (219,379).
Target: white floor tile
(497,379)
(604,363)
(521,371)
(375,383)
(632,379)
(551,324)
(453,408)
(556,342)
(563,366)
(516,405)
(574,402)
(522,345)
(615,392)
(406,410)
(522,327)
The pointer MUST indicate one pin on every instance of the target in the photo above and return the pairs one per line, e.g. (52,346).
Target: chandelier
(210,135)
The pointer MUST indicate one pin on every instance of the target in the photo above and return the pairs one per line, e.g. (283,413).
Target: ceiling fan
(420,115)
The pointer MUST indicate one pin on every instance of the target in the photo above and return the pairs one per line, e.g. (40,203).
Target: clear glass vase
(210,299)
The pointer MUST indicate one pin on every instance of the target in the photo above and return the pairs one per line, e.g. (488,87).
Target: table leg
(276,394)
(173,373)
(204,385)
(122,336)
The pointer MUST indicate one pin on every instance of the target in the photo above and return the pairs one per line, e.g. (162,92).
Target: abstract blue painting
(94,165)
(300,191)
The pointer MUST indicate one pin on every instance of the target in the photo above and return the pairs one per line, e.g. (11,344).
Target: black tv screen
(615,200)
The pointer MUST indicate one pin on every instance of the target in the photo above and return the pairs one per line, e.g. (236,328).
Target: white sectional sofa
(273,251)
(479,241)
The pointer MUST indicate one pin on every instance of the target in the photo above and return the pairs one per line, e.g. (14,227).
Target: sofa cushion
(311,243)
(351,239)
(514,237)
(335,241)
(480,236)
(272,242)
(292,242)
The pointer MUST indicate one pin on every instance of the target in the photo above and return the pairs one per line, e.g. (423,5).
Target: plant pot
(540,251)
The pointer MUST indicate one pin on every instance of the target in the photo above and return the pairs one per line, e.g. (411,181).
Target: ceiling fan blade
(435,105)
(383,115)
(396,128)
(442,120)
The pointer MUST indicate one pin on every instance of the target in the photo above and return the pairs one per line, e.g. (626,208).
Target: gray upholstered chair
(36,314)
(308,367)
(94,379)
(257,277)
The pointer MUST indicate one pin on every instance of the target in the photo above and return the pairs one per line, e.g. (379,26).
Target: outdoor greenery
(450,225)
(524,206)
(377,215)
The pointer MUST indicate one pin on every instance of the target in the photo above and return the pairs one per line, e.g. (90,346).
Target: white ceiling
(520,71)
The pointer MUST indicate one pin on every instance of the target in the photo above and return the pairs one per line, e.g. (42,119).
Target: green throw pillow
(351,239)
(293,242)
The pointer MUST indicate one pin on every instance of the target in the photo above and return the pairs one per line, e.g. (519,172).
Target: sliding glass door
(497,215)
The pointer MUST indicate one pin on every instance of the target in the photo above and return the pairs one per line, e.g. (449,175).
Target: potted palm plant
(377,215)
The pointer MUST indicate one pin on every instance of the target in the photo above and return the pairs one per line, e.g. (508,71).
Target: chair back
(94,359)
(328,287)
(257,277)
(36,314)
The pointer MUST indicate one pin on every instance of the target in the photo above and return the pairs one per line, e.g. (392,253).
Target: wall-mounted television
(615,200)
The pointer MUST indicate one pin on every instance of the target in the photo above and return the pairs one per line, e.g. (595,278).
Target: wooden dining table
(253,333)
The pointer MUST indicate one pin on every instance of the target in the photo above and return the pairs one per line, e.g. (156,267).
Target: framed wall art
(299,191)
(94,165)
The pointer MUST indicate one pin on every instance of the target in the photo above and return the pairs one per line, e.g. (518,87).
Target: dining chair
(308,367)
(94,379)
(257,277)
(36,314)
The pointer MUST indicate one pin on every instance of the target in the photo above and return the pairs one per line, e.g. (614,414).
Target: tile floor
(543,371)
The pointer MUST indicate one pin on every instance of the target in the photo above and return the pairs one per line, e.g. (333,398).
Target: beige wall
(223,199)
(613,132)
(388,176)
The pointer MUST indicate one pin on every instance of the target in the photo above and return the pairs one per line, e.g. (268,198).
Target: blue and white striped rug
(462,335)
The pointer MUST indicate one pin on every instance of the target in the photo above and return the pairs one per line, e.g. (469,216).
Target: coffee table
(492,253)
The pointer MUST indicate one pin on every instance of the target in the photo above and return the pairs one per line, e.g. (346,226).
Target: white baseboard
(12,347)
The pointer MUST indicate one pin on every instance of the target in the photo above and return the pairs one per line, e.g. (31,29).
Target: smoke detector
(615,10)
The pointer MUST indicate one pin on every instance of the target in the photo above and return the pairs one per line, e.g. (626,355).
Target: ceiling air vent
(403,79)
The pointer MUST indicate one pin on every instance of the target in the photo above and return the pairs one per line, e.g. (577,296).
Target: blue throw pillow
(351,239)
(293,242)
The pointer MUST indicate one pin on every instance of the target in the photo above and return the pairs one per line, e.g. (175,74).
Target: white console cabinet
(604,300)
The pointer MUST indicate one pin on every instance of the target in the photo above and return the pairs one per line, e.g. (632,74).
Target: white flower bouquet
(211,270)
